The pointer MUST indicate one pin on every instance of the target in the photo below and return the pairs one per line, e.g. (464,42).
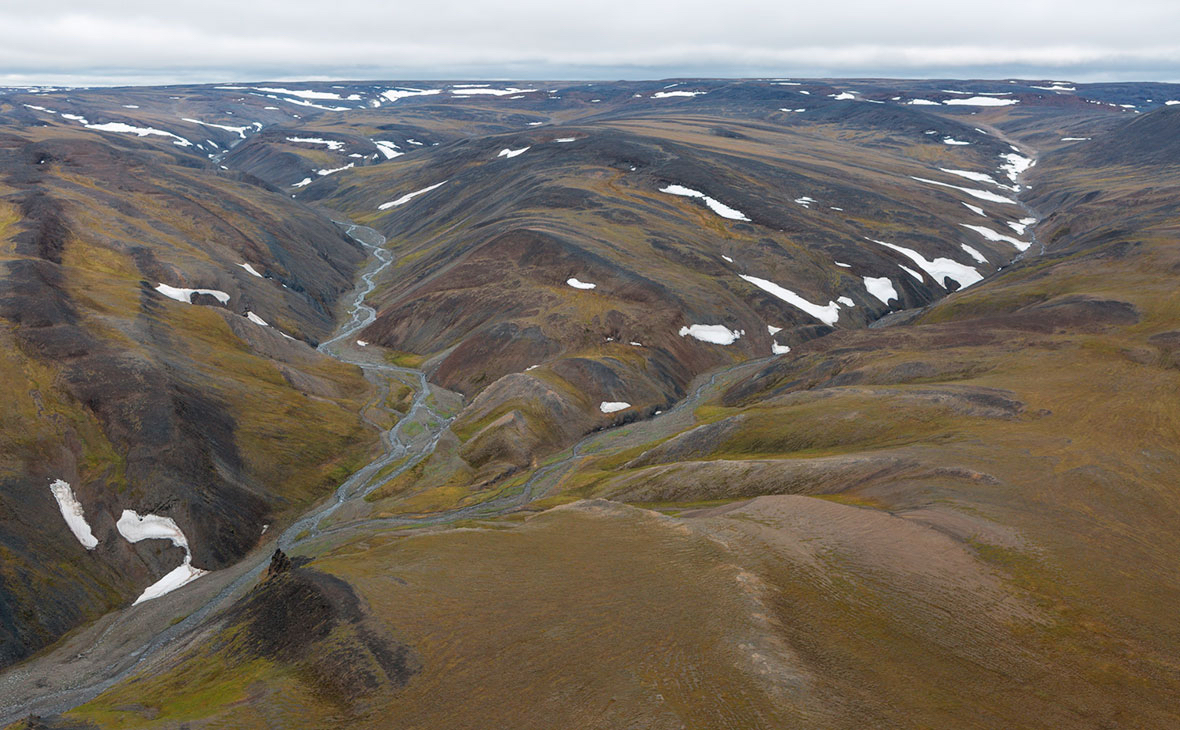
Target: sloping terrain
(949,507)
(141,394)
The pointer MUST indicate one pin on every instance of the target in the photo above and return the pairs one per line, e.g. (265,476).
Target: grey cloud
(134,41)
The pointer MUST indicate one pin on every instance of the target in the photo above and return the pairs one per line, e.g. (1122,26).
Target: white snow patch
(881,287)
(922,102)
(727,258)
(467,91)
(303,93)
(975,209)
(716,206)
(73,513)
(154,527)
(362,343)
(974,253)
(250,269)
(718,334)
(611,406)
(991,235)
(828,313)
(939,269)
(572,281)
(512,153)
(843,265)
(566,139)
(1075,139)
(256,319)
(981,194)
(777,349)
(186,295)
(301,183)
(911,272)
(975,176)
(395,94)
(846,301)
(953,141)
(130,106)
(843,96)
(335,169)
(1020,225)
(981,101)
(240,131)
(773,330)
(40,109)
(389,149)
(329,143)
(805,201)
(667,94)
(122,128)
(409,196)
(1014,164)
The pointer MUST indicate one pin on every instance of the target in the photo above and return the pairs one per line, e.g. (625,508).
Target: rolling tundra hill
(757,403)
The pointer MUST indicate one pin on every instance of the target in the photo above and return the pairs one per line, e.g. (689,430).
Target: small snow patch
(388,149)
(572,281)
(612,406)
(256,319)
(991,235)
(409,196)
(981,194)
(981,101)
(322,173)
(512,153)
(716,206)
(73,513)
(186,295)
(718,334)
(974,253)
(122,128)
(251,270)
(881,287)
(828,313)
(154,527)
(939,269)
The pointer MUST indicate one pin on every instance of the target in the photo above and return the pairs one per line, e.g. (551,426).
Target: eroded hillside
(775,403)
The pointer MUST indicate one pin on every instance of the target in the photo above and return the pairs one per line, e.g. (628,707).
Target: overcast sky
(141,41)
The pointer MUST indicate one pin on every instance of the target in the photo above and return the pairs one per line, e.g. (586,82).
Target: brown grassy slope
(141,402)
